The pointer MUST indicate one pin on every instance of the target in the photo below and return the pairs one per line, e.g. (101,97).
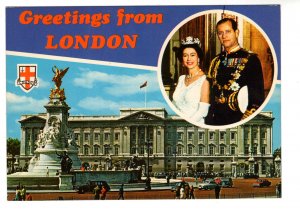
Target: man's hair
(232,21)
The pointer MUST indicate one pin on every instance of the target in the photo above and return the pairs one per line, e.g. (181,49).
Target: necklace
(190,76)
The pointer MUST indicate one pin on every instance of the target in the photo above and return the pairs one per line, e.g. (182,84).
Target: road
(242,189)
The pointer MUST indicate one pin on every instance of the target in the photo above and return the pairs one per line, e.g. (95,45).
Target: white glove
(201,112)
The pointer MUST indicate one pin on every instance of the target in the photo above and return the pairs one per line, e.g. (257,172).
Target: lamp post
(175,168)
(148,179)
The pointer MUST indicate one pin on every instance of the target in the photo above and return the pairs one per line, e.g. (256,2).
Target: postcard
(143,102)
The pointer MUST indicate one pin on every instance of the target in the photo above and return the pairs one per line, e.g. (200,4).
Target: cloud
(119,85)
(16,103)
(99,104)
(43,83)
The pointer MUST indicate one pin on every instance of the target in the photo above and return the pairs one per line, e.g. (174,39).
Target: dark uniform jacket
(228,74)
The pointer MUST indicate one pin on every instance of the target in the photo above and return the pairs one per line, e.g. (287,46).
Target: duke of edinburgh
(235,75)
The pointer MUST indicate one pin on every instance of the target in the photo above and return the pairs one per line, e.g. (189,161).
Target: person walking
(217,191)
(121,192)
(192,196)
(103,193)
(23,193)
(97,192)
(177,192)
(28,197)
(278,190)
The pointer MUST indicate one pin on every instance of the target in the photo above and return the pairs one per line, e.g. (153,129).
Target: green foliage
(13,146)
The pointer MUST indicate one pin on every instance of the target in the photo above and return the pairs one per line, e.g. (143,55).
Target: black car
(89,187)
(181,184)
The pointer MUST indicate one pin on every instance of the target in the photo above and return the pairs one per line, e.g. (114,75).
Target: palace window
(232,135)
(77,136)
(211,150)
(96,150)
(86,150)
(96,136)
(254,134)
(116,150)
(232,150)
(201,151)
(179,136)
(179,152)
(222,150)
(190,149)
(211,135)
(86,136)
(142,150)
(222,135)
(263,150)
(169,150)
(200,135)
(106,136)
(255,150)
(246,150)
(106,150)
(117,136)
(263,135)
(190,135)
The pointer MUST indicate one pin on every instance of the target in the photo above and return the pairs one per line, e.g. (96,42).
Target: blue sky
(95,90)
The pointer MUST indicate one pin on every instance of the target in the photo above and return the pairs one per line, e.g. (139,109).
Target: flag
(143,85)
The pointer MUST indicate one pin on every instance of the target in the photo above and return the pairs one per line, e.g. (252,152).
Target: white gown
(187,98)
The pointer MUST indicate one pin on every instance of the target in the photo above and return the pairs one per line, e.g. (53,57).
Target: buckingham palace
(167,142)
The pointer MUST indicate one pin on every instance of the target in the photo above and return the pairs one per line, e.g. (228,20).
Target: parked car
(207,184)
(261,183)
(89,187)
(250,175)
(226,182)
(181,184)
(160,175)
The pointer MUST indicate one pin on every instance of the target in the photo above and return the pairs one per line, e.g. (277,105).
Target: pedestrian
(217,191)
(47,172)
(23,193)
(182,193)
(192,196)
(96,192)
(168,179)
(57,173)
(121,192)
(103,193)
(236,79)
(28,197)
(18,194)
(186,192)
(177,192)
(278,190)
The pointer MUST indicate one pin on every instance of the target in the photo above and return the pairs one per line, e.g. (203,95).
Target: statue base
(65,182)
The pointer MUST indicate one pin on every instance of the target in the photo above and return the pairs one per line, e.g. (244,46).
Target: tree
(13,148)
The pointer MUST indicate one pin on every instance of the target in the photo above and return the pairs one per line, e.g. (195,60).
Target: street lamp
(148,179)
(175,168)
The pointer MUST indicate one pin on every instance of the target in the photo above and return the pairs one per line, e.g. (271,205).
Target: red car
(261,183)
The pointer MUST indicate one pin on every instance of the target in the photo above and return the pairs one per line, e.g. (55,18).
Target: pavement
(156,184)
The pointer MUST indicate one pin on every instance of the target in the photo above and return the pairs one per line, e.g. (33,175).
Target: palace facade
(166,142)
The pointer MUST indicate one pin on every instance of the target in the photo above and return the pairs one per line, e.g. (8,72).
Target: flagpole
(146,97)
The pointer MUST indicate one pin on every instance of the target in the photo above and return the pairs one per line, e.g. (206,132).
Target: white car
(207,185)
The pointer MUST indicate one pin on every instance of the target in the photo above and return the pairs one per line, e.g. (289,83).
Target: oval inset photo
(218,69)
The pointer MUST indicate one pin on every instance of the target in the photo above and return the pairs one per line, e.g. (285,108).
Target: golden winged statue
(58,75)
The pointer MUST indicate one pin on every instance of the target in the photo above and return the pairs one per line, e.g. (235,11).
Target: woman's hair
(190,42)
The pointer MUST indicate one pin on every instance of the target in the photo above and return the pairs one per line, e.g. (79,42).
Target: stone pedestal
(65,182)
